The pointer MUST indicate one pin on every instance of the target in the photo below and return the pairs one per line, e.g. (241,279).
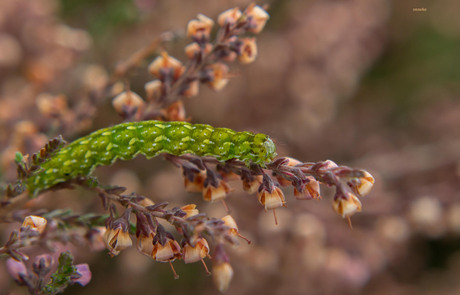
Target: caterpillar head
(269,150)
(265,151)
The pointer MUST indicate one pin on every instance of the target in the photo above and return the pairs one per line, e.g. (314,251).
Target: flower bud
(257,17)
(153,90)
(222,275)
(194,49)
(346,204)
(190,210)
(16,269)
(212,193)
(197,185)
(200,28)
(126,101)
(273,199)
(165,65)
(191,89)
(42,264)
(231,223)
(36,223)
(365,184)
(176,111)
(167,252)
(117,239)
(145,244)
(229,16)
(85,274)
(252,187)
(248,51)
(309,191)
(218,76)
(193,254)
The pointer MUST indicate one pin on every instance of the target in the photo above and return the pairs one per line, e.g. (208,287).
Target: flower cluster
(153,240)
(207,64)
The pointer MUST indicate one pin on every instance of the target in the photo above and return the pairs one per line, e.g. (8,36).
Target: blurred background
(368,84)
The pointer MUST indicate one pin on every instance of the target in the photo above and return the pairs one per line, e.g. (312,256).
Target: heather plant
(211,160)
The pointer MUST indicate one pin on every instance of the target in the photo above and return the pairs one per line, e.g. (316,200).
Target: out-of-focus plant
(133,217)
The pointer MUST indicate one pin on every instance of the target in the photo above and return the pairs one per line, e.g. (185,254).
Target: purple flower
(16,269)
(85,274)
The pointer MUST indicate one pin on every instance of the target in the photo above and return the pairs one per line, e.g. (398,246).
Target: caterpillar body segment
(150,138)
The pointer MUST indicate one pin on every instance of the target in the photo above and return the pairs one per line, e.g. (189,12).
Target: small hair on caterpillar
(149,138)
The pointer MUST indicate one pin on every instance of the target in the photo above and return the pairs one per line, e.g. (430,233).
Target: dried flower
(36,223)
(218,76)
(117,239)
(194,49)
(308,191)
(165,65)
(252,186)
(231,223)
(346,204)
(271,199)
(247,51)
(257,18)
(85,274)
(213,193)
(176,111)
(168,251)
(229,16)
(191,89)
(145,244)
(363,185)
(200,28)
(222,271)
(190,210)
(197,185)
(195,253)
(153,90)
(127,101)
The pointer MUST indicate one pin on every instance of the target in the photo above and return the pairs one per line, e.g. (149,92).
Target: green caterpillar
(150,138)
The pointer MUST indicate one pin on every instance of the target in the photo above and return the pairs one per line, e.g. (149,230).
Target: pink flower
(85,274)
(16,269)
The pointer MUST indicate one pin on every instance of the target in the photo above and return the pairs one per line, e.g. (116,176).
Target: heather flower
(153,90)
(362,185)
(247,51)
(222,271)
(271,199)
(85,274)
(252,186)
(126,101)
(230,16)
(218,76)
(346,204)
(165,65)
(194,49)
(213,193)
(257,18)
(35,223)
(168,251)
(200,28)
(310,190)
(191,89)
(16,269)
(197,184)
(195,253)
(117,239)
(190,210)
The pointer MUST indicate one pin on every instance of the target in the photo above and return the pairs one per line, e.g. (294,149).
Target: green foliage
(63,276)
